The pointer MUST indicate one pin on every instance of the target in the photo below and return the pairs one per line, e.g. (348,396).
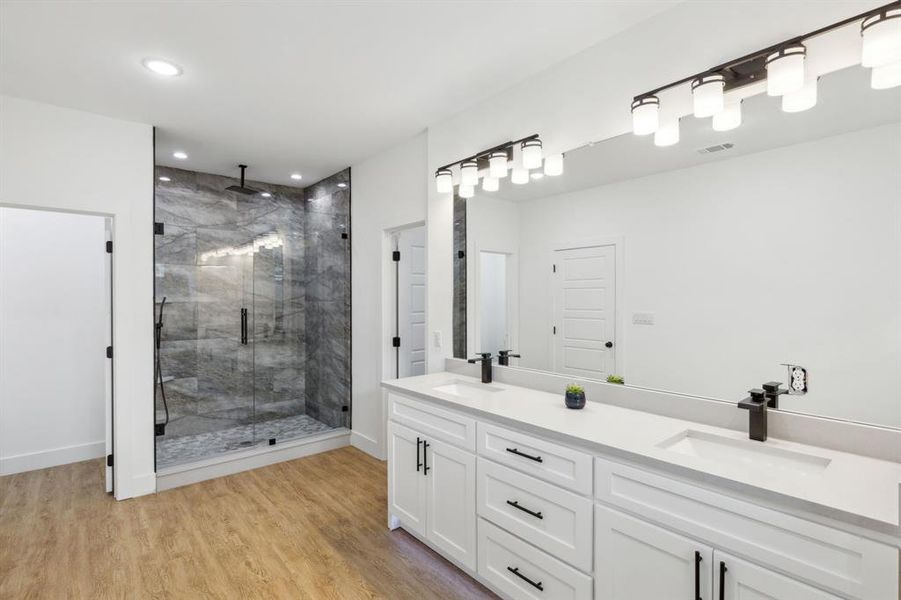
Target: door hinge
(555,330)
(109,351)
(555,268)
(395,256)
(159,229)
(395,342)
(109,247)
(109,460)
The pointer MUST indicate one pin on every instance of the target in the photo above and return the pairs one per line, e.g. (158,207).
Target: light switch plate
(643,318)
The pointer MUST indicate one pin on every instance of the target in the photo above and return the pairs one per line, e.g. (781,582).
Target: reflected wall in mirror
(702,268)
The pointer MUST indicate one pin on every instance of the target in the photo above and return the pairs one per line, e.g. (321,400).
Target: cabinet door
(451,482)
(635,560)
(735,579)
(406,477)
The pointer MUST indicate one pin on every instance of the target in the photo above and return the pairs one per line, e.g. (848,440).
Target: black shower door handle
(244,326)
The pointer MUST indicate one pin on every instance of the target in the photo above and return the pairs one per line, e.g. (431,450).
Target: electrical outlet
(797,380)
(642,318)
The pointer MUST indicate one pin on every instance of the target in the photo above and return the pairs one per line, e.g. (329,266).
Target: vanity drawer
(519,570)
(433,422)
(552,518)
(819,555)
(554,463)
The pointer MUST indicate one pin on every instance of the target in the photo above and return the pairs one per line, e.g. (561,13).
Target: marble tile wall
(459,300)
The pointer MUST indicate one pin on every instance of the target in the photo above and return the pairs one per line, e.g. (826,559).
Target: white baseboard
(367,445)
(53,457)
(261,456)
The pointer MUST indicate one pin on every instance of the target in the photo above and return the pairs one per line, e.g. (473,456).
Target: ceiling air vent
(716,148)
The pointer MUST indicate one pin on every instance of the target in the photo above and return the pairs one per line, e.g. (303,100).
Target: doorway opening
(56,348)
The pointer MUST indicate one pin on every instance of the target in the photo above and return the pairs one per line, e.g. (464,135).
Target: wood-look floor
(308,528)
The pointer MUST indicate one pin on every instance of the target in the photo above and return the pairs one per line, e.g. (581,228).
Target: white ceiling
(290,86)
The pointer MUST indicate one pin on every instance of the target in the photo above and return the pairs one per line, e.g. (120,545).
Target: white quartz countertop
(857,489)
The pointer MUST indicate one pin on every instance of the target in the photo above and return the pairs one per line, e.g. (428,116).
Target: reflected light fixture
(161,67)
(466,191)
(785,70)
(342,185)
(265,194)
(729,117)
(519,175)
(164,178)
(707,94)
(881,33)
(553,165)
(801,100)
(667,134)
(497,164)
(886,76)
(645,115)
(536,175)
(490,184)
(180,155)
(444,181)
(469,173)
(531,153)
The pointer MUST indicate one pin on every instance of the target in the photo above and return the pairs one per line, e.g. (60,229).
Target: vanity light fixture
(493,163)
(469,173)
(180,155)
(444,181)
(519,175)
(497,164)
(881,33)
(707,94)
(645,115)
(466,191)
(553,165)
(801,100)
(886,76)
(531,153)
(728,118)
(161,67)
(490,184)
(785,70)
(667,134)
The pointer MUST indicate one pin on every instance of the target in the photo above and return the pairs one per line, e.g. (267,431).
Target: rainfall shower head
(242,189)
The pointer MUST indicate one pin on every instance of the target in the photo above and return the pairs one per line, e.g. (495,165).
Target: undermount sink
(465,389)
(745,454)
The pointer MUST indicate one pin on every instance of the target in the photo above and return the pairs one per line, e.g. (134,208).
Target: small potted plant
(616,379)
(575,396)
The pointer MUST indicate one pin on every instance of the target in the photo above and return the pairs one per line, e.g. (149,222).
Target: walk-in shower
(255,347)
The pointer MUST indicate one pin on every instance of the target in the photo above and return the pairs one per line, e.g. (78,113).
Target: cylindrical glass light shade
(729,117)
(707,95)
(785,70)
(466,191)
(881,35)
(553,165)
(497,164)
(801,100)
(531,154)
(886,76)
(667,134)
(490,184)
(444,181)
(469,173)
(519,175)
(645,115)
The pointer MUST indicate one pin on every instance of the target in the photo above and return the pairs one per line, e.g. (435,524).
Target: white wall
(54,294)
(58,158)
(389,191)
(801,264)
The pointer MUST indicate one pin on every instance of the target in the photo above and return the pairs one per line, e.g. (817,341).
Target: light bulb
(645,115)
(553,165)
(497,164)
(531,153)
(490,184)
(519,175)
(469,173)
(444,181)
(802,99)
(729,117)
(466,191)
(667,134)
(881,35)
(785,70)
(707,94)
(886,76)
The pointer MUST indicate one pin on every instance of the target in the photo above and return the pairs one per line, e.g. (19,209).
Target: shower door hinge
(395,342)
(109,247)
(555,330)
(345,408)
(159,228)
(555,268)
(395,256)
(109,351)
(109,460)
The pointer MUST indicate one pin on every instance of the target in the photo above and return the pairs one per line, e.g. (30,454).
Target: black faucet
(756,404)
(772,392)
(504,356)
(485,359)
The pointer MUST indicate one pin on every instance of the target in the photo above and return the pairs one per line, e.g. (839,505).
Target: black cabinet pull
(723,570)
(515,504)
(425,458)
(418,460)
(535,584)
(698,560)
(524,455)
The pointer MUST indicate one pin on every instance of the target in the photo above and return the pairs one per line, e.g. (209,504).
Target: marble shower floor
(171,451)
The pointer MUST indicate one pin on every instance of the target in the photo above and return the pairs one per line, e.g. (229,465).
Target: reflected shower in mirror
(705,267)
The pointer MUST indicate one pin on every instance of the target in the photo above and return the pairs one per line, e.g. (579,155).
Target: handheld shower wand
(160,428)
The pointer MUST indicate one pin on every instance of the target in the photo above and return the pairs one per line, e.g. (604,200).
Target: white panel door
(406,477)
(585,311)
(411,302)
(636,561)
(742,580)
(451,483)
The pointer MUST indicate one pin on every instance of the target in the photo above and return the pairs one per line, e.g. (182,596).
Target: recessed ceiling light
(296,176)
(265,194)
(537,175)
(164,178)
(342,185)
(161,67)
(180,155)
